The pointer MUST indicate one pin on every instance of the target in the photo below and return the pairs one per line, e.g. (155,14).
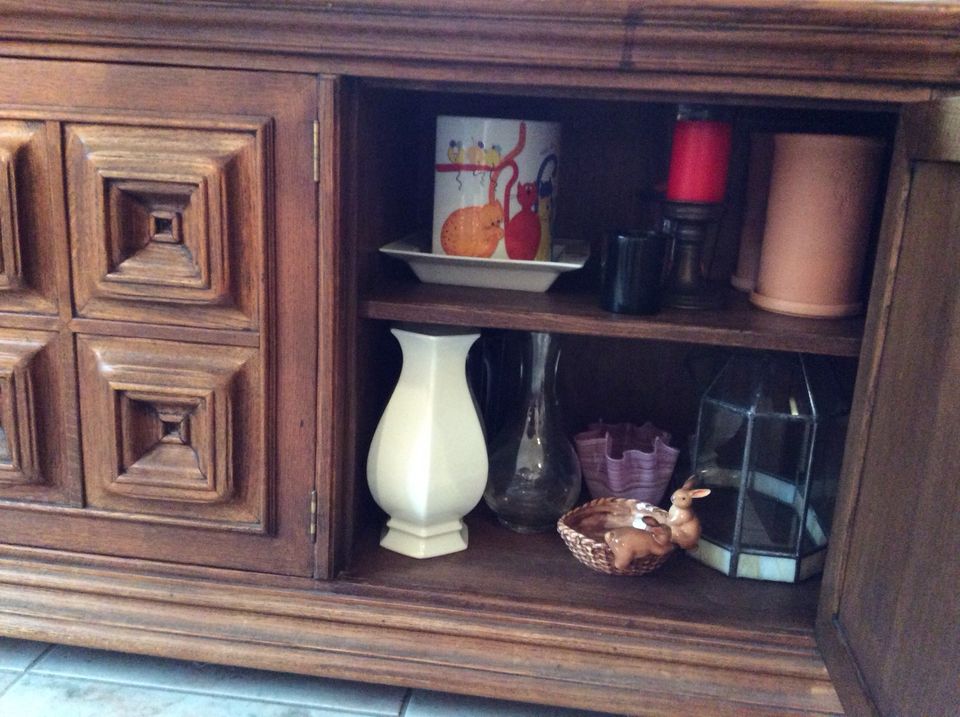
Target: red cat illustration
(523,230)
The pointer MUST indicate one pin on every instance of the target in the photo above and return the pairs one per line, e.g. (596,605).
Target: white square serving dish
(515,274)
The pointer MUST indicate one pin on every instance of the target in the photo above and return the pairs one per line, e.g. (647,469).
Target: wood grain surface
(873,40)
(190,204)
(737,324)
(888,612)
(170,145)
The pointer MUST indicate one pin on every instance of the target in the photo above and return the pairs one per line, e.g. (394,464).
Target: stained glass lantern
(769,445)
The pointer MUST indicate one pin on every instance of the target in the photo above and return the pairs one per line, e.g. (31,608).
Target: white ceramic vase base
(417,541)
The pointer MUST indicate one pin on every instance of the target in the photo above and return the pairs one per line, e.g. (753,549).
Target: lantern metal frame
(807,552)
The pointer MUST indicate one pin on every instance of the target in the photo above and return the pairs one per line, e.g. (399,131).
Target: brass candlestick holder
(686,286)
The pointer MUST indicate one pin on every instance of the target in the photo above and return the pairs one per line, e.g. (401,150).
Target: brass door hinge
(313,516)
(316,151)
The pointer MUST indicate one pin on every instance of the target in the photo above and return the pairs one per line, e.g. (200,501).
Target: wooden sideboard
(194,344)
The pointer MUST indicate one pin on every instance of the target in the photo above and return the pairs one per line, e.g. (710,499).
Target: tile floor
(41,680)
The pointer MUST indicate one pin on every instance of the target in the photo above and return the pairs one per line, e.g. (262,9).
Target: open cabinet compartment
(614,153)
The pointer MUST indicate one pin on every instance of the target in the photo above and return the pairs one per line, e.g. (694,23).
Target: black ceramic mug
(631,271)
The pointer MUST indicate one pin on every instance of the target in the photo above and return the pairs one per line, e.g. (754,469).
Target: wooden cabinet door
(176,357)
(32,269)
(889,619)
(39,446)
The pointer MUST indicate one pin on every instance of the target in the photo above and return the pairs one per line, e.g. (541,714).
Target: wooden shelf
(535,575)
(739,324)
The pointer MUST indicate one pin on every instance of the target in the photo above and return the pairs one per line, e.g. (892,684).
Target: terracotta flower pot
(755,212)
(822,193)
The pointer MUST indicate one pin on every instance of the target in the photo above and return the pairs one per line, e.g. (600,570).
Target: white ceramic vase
(427,465)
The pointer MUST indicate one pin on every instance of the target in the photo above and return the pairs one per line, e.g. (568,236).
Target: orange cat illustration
(473,231)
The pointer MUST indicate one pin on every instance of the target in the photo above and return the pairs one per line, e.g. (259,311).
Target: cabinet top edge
(845,41)
(923,15)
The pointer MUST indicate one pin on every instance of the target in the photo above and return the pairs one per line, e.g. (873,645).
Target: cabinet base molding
(346,630)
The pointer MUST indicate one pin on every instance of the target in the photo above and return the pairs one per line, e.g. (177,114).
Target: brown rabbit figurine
(628,544)
(684,523)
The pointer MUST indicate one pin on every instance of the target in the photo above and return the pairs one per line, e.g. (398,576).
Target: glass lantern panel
(775,493)
(735,386)
(824,477)
(722,434)
(782,387)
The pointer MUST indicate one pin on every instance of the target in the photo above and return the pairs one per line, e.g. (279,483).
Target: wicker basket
(596,554)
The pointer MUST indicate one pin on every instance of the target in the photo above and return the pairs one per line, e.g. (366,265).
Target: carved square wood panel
(28,236)
(37,425)
(11,273)
(169,447)
(19,460)
(174,429)
(167,224)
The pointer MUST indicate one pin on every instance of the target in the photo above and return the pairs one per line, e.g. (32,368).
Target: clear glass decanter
(534,472)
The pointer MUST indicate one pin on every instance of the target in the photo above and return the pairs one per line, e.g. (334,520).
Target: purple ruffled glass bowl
(624,460)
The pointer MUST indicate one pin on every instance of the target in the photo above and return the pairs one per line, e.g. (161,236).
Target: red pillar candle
(699,161)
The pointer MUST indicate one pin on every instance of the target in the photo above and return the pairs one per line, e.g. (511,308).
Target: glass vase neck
(542,356)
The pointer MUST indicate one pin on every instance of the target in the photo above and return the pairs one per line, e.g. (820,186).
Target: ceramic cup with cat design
(495,187)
